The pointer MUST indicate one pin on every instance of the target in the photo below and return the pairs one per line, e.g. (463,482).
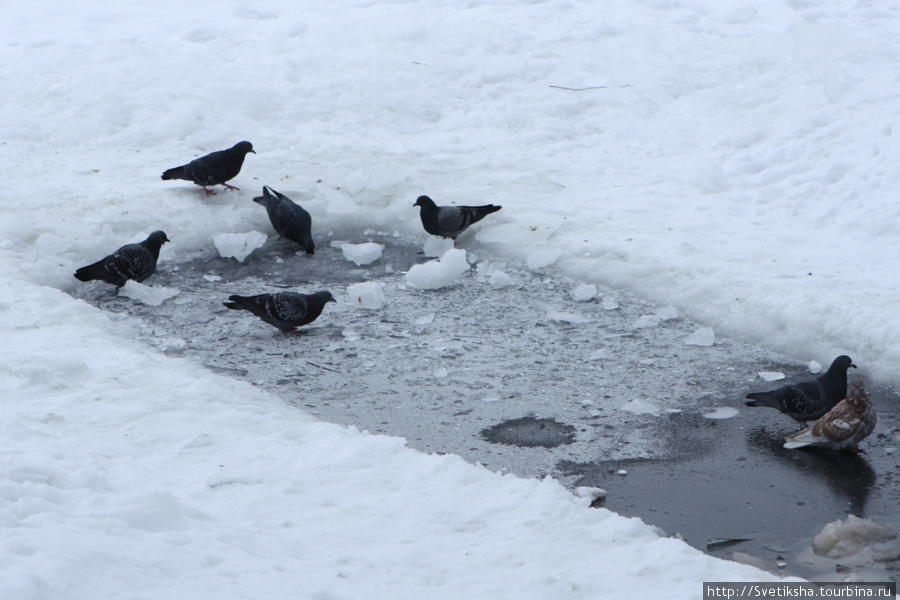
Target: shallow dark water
(451,369)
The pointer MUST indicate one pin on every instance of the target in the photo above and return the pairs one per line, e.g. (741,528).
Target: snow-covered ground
(733,160)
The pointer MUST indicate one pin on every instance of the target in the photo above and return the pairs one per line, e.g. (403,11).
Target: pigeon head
(424,201)
(264,199)
(243,148)
(857,391)
(324,297)
(158,238)
(840,365)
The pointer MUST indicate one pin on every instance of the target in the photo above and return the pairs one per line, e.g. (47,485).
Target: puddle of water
(530,432)
(441,367)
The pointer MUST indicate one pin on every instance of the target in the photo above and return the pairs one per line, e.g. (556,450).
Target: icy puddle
(643,403)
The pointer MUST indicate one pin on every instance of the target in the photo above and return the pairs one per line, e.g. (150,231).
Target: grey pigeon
(288,218)
(808,400)
(450,221)
(284,310)
(132,261)
(213,169)
(844,426)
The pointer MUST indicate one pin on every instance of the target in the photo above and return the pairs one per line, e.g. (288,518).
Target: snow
(735,162)
(500,280)
(239,245)
(362,254)
(438,273)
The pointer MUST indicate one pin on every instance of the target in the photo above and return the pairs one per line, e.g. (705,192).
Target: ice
(568,317)
(362,254)
(771,375)
(815,367)
(664,314)
(151,296)
(369,295)
(591,493)
(239,245)
(500,280)
(722,412)
(425,319)
(584,293)
(641,407)
(541,257)
(601,354)
(705,336)
(435,246)
(438,273)
(839,539)
(609,303)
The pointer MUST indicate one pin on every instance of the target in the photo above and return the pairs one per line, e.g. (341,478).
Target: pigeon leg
(299,331)
(209,192)
(231,187)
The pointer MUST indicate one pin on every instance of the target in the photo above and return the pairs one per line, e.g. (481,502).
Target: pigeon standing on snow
(132,261)
(213,169)
(284,310)
(844,426)
(450,221)
(808,400)
(288,218)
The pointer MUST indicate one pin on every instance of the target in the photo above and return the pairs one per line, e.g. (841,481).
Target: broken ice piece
(844,538)
(500,280)
(640,407)
(722,542)
(542,257)
(438,273)
(151,296)
(591,493)
(424,319)
(771,375)
(705,336)
(585,293)
(369,294)
(721,412)
(362,254)
(815,367)
(435,247)
(239,245)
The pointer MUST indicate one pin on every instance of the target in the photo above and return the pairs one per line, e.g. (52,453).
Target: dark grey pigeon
(288,218)
(808,400)
(450,221)
(284,310)
(132,261)
(213,169)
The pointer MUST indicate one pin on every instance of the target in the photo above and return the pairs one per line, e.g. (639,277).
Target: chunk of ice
(438,273)
(815,367)
(239,245)
(500,280)
(435,246)
(844,538)
(369,294)
(362,254)
(568,317)
(640,407)
(722,412)
(542,257)
(705,336)
(771,375)
(585,293)
(151,296)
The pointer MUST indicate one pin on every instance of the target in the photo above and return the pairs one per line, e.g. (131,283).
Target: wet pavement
(528,380)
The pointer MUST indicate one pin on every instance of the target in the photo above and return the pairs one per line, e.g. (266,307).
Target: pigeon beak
(852,365)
